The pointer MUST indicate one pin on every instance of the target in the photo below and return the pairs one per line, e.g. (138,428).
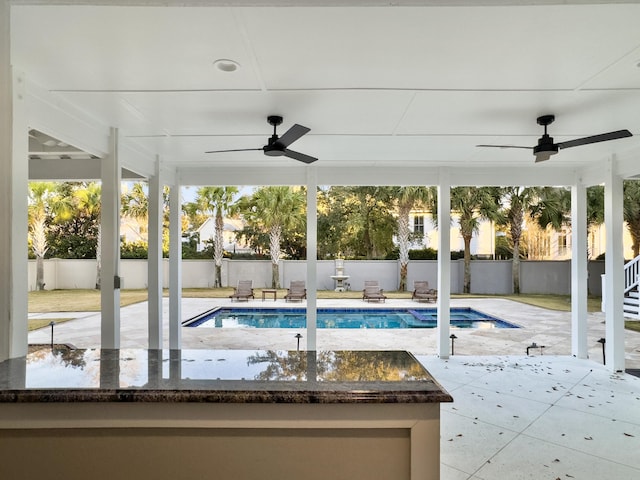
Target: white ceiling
(378,86)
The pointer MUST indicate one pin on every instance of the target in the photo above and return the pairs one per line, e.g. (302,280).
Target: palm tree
(552,208)
(407,198)
(275,210)
(518,202)
(216,201)
(89,199)
(595,212)
(472,205)
(135,204)
(631,212)
(40,194)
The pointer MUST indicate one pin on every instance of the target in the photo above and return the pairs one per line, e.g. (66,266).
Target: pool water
(342,318)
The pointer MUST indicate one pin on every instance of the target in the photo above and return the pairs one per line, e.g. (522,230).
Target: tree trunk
(218,250)
(516,219)
(218,279)
(403,246)
(403,277)
(275,276)
(515,266)
(39,273)
(636,245)
(39,245)
(368,244)
(274,250)
(467,264)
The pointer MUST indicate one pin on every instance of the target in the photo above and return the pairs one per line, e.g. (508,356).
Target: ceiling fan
(546,147)
(277,146)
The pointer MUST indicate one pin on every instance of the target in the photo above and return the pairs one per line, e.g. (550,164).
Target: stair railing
(631,272)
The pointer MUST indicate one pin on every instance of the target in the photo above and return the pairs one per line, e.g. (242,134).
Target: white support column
(154,264)
(175,268)
(110,245)
(13,198)
(579,270)
(312,255)
(444,263)
(614,268)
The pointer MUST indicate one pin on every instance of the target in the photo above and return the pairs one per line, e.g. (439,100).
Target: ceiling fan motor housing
(545,146)
(273,148)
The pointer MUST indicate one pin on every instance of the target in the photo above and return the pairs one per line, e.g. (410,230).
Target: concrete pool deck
(514,417)
(549,328)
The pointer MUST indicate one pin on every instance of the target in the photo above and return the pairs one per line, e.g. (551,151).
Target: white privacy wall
(487,276)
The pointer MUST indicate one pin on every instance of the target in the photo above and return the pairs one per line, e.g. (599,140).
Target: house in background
(425,235)
(207,231)
(133,230)
(538,243)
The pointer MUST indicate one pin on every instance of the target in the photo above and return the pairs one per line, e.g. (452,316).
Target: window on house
(563,244)
(418,224)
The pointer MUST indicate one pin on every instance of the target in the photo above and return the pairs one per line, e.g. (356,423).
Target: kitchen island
(219,414)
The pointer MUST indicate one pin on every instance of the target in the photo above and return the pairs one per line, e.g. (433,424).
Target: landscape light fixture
(51,324)
(452,337)
(602,341)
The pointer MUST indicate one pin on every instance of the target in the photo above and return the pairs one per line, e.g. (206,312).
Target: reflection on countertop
(64,374)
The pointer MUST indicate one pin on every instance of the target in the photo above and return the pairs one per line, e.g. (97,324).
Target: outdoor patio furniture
(243,291)
(422,292)
(269,291)
(296,291)
(372,292)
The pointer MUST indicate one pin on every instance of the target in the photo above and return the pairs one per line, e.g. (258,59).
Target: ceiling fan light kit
(546,146)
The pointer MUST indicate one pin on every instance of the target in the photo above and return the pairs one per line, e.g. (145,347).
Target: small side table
(269,292)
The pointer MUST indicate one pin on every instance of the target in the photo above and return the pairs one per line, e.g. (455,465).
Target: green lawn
(77,300)
(632,325)
(37,323)
(552,302)
(89,300)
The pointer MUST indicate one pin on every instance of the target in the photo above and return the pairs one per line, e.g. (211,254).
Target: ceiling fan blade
(504,146)
(604,137)
(293,134)
(237,150)
(301,157)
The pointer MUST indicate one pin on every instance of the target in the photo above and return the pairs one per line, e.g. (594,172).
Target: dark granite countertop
(65,374)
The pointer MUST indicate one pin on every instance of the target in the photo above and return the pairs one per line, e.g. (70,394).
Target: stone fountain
(340,277)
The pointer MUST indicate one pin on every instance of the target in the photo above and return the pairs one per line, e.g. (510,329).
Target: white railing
(631,271)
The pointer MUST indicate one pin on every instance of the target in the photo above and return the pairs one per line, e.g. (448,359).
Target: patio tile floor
(513,417)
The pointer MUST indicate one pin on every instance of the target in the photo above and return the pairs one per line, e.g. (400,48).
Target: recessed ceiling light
(226,65)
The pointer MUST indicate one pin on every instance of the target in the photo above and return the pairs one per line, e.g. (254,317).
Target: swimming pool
(343,318)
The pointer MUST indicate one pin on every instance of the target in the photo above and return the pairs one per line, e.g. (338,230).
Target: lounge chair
(296,291)
(372,292)
(243,291)
(422,292)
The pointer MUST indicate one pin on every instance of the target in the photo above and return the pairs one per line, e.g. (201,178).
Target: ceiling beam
(313,3)
(72,169)
(460,176)
(61,120)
